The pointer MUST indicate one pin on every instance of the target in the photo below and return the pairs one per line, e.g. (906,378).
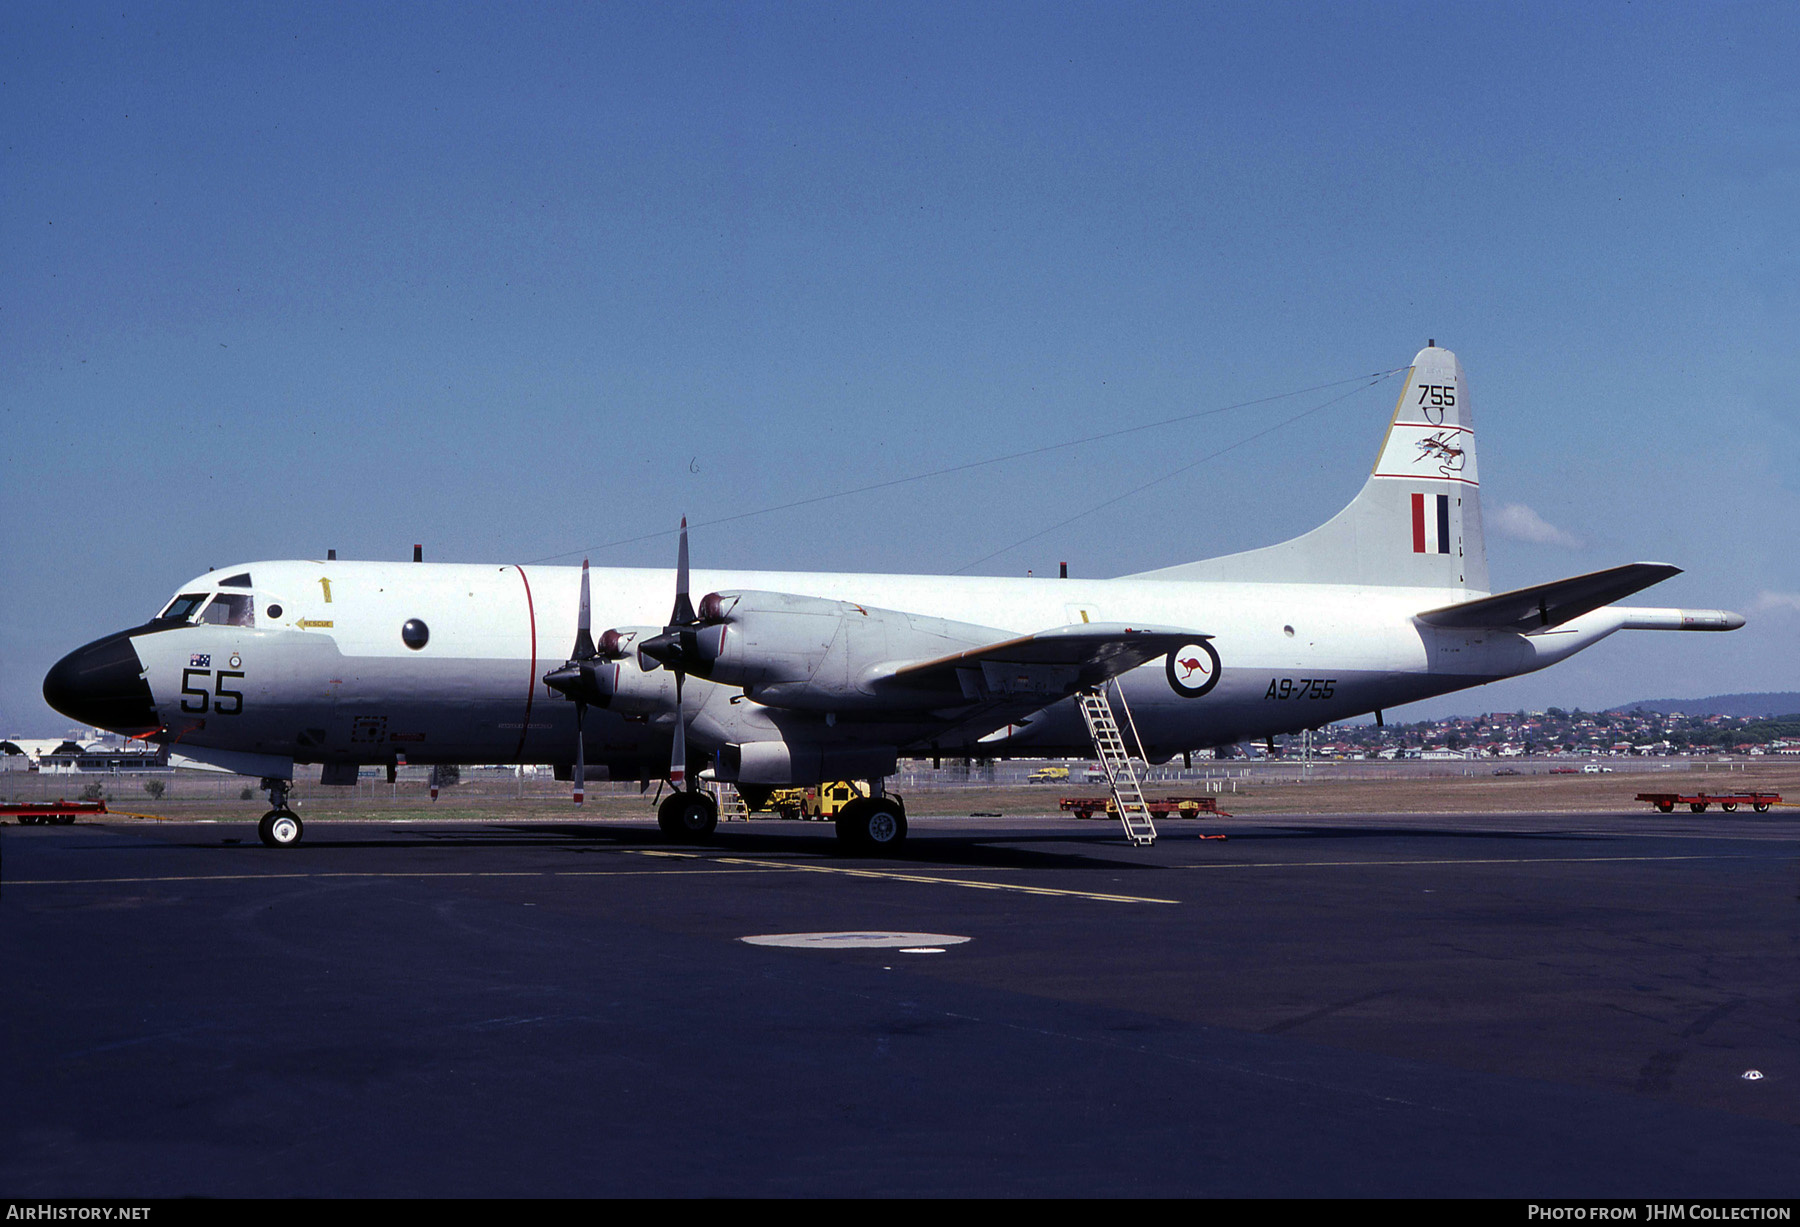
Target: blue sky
(520,281)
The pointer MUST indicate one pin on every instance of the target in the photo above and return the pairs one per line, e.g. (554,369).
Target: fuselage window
(230,609)
(182,607)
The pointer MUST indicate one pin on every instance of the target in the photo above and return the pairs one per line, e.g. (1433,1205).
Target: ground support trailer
(1697,802)
(1166,807)
(60,813)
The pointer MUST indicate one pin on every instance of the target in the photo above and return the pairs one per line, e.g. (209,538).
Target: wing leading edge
(1054,663)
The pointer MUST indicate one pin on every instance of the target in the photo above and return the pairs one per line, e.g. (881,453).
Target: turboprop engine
(616,677)
(812,654)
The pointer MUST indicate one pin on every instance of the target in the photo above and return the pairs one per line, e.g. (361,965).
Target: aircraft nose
(103,684)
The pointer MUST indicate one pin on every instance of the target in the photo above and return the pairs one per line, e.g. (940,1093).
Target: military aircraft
(777,679)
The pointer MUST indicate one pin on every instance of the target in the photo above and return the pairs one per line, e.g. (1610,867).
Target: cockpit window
(230,609)
(240,580)
(182,607)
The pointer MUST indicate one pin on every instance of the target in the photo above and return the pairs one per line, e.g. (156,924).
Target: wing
(1048,666)
(980,689)
(985,688)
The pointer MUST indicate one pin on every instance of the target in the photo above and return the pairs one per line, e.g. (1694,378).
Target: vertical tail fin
(1417,521)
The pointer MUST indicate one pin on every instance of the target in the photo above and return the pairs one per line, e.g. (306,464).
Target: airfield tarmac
(1448,1004)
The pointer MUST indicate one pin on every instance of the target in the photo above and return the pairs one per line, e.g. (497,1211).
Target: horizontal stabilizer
(1552,604)
(1053,663)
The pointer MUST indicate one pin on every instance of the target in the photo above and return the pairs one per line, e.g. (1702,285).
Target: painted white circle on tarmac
(871,940)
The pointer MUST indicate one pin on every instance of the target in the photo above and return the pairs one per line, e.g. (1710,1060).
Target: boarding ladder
(1121,777)
(731,804)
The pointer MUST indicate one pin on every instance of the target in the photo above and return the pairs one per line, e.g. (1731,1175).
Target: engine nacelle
(747,638)
(785,764)
(810,653)
(619,680)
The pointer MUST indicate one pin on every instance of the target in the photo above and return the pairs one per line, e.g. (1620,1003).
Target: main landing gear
(687,815)
(280,827)
(872,824)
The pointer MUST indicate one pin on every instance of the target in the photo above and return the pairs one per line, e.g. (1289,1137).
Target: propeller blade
(683,614)
(580,753)
(584,638)
(678,760)
(674,651)
(572,680)
(575,681)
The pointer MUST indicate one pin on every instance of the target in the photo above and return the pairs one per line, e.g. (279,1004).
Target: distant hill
(1779,703)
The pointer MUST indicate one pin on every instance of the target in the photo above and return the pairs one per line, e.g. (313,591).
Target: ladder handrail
(1130,721)
(1115,760)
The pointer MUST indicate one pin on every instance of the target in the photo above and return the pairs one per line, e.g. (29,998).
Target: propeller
(586,678)
(677,649)
(575,680)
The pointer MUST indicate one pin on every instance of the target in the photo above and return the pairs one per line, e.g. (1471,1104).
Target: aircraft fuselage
(321,668)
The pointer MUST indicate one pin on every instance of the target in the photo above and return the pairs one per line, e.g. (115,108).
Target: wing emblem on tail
(1441,448)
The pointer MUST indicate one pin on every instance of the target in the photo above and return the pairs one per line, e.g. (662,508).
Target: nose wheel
(280,827)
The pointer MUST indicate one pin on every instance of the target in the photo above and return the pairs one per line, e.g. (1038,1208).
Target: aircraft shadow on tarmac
(1035,849)
(1074,850)
(1300,831)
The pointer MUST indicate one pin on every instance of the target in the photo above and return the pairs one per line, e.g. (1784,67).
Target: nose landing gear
(280,827)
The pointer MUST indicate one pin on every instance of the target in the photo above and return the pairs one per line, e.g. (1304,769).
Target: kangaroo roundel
(1193,669)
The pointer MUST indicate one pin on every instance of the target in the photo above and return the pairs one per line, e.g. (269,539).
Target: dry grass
(1545,793)
(1327,793)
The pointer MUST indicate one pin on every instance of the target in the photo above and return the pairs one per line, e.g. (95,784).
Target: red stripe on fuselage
(1418,502)
(531,682)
